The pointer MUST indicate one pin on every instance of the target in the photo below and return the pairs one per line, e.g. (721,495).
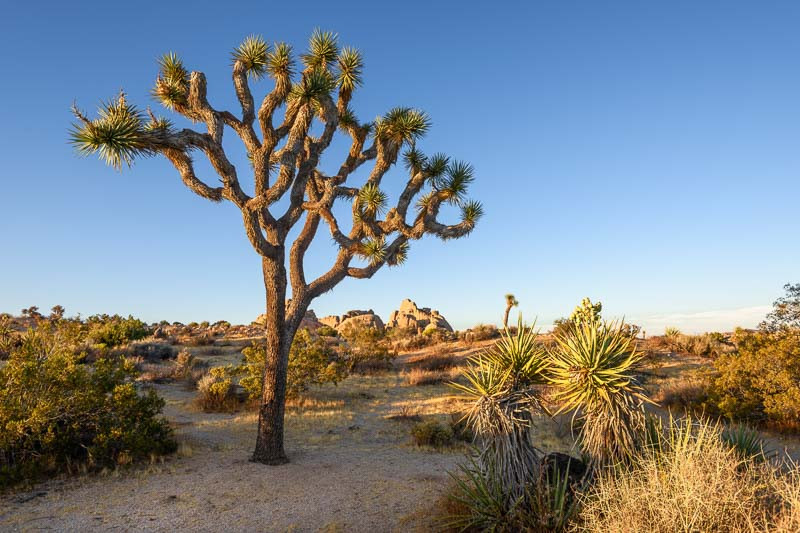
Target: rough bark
(269,441)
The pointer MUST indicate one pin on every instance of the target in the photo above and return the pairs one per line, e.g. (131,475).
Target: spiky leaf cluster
(172,83)
(116,135)
(371,201)
(471,211)
(322,50)
(280,63)
(402,125)
(456,181)
(351,66)
(253,55)
(500,384)
(594,372)
(312,87)
(436,167)
(373,250)
(399,256)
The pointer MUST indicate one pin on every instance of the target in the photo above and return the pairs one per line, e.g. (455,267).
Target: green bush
(369,350)
(311,362)
(760,381)
(57,413)
(215,390)
(115,330)
(432,433)
(327,331)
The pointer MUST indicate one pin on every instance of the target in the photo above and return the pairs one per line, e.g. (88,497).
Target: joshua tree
(511,301)
(57,312)
(287,184)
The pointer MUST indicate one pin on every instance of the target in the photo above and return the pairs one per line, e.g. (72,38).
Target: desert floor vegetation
(356,465)
(385,438)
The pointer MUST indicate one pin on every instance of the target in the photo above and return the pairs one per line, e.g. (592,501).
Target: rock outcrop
(354,319)
(309,321)
(409,316)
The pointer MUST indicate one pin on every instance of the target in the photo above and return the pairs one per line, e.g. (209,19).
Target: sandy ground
(353,468)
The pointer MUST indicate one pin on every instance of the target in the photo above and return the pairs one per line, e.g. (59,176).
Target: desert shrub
(432,433)
(151,351)
(478,333)
(671,332)
(760,381)
(9,337)
(785,314)
(203,339)
(480,503)
(115,330)
(327,331)
(57,412)
(370,350)
(185,366)
(216,391)
(311,362)
(693,481)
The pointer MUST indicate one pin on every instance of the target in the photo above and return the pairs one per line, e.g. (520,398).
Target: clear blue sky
(644,154)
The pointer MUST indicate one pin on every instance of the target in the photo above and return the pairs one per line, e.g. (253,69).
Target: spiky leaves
(436,167)
(471,211)
(500,386)
(252,54)
(351,65)
(371,202)
(314,85)
(372,250)
(402,125)
(456,181)
(322,50)
(593,369)
(399,255)
(117,135)
(280,66)
(172,83)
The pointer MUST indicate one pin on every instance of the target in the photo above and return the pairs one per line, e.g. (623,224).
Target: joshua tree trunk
(278,338)
(505,315)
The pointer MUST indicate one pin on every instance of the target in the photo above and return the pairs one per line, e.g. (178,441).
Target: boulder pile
(409,316)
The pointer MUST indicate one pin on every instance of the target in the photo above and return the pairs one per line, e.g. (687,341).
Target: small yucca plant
(746,442)
(501,384)
(593,368)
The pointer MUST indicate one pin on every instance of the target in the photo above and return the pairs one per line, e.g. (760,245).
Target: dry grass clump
(689,392)
(420,376)
(185,366)
(692,482)
(439,361)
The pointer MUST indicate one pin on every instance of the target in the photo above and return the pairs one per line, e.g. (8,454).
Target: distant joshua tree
(511,301)
(288,185)
(32,312)
(57,312)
